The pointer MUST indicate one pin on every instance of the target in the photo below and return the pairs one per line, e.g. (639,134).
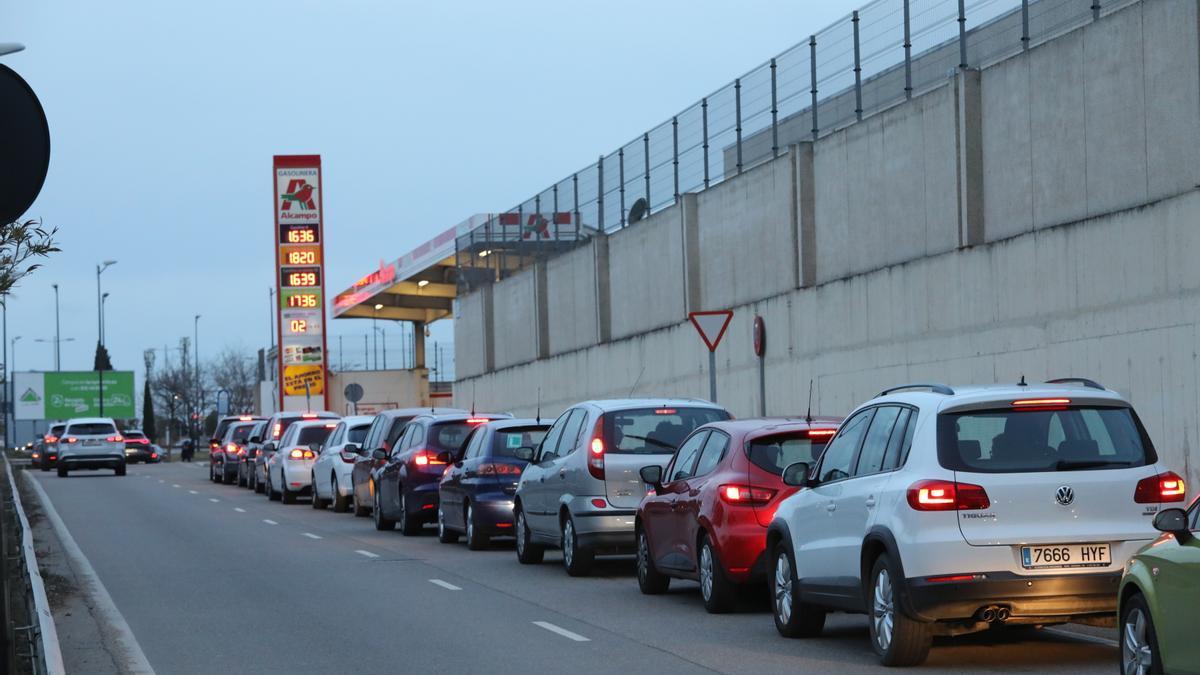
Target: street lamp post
(383,334)
(374,334)
(103,306)
(12,391)
(54,341)
(196,345)
(100,328)
(57,333)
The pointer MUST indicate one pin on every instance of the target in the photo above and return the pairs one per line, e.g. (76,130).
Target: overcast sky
(164,116)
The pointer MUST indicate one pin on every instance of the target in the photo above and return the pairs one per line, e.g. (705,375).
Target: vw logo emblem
(1064,496)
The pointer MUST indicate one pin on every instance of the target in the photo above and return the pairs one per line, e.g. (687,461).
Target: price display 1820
(300,277)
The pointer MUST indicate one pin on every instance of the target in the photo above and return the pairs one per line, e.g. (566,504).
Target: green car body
(1160,598)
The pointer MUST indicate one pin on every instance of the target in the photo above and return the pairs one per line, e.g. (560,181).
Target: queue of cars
(933,510)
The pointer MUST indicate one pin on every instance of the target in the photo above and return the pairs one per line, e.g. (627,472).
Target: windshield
(506,442)
(775,453)
(654,431)
(91,429)
(1066,439)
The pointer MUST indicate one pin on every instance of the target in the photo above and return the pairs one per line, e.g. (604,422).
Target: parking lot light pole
(12,392)
(196,401)
(57,333)
(100,330)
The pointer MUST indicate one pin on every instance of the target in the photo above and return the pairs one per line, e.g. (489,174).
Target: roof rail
(1091,384)
(935,388)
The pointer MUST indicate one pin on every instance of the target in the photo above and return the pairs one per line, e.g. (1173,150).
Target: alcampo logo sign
(300,193)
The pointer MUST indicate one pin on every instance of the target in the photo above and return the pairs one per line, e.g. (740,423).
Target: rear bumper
(608,531)
(422,501)
(92,461)
(493,514)
(1027,597)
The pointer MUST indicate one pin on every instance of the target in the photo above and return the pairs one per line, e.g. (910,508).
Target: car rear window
(654,431)
(91,429)
(241,432)
(1062,439)
(775,453)
(506,442)
(134,434)
(313,434)
(448,436)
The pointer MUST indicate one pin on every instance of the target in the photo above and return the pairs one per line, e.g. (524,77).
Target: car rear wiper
(655,441)
(1072,465)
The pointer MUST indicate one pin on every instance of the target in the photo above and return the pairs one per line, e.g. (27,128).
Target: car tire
(317,502)
(445,534)
(286,496)
(272,495)
(62,471)
(650,580)
(476,539)
(381,523)
(258,487)
(340,504)
(528,553)
(410,523)
(793,618)
(120,469)
(1139,643)
(898,639)
(719,593)
(45,466)
(576,559)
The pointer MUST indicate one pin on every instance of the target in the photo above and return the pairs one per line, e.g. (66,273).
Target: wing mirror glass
(796,475)
(524,453)
(350,447)
(256,439)
(268,447)
(1173,521)
(315,447)
(652,475)
(444,457)
(379,454)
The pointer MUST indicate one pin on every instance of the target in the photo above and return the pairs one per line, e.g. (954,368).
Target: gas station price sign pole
(300,281)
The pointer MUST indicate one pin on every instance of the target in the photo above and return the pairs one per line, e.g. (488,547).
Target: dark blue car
(476,492)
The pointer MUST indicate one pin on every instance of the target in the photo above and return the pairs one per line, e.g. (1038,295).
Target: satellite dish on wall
(639,210)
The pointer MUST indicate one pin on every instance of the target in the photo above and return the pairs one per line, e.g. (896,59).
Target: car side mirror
(315,447)
(268,448)
(796,475)
(379,454)
(1173,521)
(350,447)
(524,453)
(444,457)
(256,439)
(652,475)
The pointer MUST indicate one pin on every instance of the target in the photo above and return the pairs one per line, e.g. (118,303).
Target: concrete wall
(514,316)
(571,299)
(471,334)
(646,274)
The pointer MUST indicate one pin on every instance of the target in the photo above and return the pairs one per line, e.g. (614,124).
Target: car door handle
(870,502)
(831,507)
(693,493)
(562,473)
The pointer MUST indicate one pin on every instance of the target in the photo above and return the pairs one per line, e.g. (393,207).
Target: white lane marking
(161,480)
(125,645)
(561,631)
(175,485)
(310,535)
(193,492)
(1084,638)
(367,554)
(239,509)
(213,500)
(445,584)
(269,521)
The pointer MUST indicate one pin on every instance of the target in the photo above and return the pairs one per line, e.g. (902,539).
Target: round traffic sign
(24,146)
(353,392)
(760,336)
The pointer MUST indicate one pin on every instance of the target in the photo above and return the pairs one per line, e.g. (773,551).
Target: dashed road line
(561,631)
(193,492)
(310,535)
(213,500)
(239,509)
(269,521)
(367,554)
(175,485)
(445,584)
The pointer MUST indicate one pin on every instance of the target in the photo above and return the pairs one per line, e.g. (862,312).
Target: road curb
(51,651)
(125,645)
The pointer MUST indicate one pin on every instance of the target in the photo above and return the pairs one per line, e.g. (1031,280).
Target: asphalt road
(214,578)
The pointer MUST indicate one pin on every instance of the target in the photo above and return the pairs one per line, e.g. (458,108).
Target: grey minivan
(581,489)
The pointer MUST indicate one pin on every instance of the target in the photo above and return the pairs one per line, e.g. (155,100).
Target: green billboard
(63,395)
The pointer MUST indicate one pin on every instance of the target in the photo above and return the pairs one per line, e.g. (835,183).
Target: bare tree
(236,373)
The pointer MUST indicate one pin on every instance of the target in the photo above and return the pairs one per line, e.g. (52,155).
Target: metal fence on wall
(878,56)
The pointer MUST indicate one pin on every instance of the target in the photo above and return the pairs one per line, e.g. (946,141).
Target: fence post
(621,182)
(600,192)
(554,216)
(646,153)
(575,189)
(858,109)
(737,117)
(1024,25)
(774,114)
(704,128)
(962,34)
(812,60)
(675,152)
(1096,10)
(908,88)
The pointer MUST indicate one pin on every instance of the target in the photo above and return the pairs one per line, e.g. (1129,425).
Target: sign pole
(712,376)
(760,350)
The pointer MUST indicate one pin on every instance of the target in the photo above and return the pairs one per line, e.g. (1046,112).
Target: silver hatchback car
(582,488)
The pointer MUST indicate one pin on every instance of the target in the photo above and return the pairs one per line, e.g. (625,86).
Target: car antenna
(808,414)
(635,382)
(472,399)
(1022,383)
(539,406)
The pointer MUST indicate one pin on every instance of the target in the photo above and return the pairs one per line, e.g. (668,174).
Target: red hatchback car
(707,518)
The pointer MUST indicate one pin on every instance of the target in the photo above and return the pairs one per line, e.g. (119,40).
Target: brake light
(36,455)
(215,445)
(141,441)
(944,495)
(477,420)
(52,439)
(245,418)
(231,448)
(425,458)
(331,425)
(1042,403)
(71,439)
(595,461)
(1165,487)
(154,455)
(114,439)
(309,416)
(277,430)
(499,469)
(665,411)
(821,433)
(746,494)
(298,453)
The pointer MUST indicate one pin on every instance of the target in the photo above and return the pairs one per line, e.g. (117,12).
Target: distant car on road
(91,443)
(331,477)
(223,424)
(708,515)
(289,469)
(138,448)
(276,425)
(225,460)
(45,452)
(384,432)
(475,496)
(1160,595)
(582,489)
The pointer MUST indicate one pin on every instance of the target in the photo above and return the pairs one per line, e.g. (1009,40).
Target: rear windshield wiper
(655,441)
(1069,465)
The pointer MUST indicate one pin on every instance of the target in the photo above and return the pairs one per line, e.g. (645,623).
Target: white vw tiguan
(941,512)
(91,443)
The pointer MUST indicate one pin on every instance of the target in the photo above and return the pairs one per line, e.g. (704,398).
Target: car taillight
(1165,487)
(214,445)
(36,455)
(154,455)
(297,453)
(477,420)
(52,439)
(70,439)
(746,494)
(499,469)
(114,439)
(945,495)
(426,458)
(277,430)
(595,460)
(231,448)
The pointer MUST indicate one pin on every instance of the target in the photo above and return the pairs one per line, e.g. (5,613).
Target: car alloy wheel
(883,613)
(783,587)
(568,543)
(441,523)
(1137,656)
(470,522)
(520,533)
(706,573)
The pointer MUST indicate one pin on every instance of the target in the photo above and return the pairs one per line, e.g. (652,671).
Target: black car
(384,432)
(406,486)
(45,451)
(138,448)
(224,460)
(475,496)
(223,424)
(245,472)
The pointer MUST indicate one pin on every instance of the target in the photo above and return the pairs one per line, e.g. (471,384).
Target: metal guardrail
(880,55)
(30,636)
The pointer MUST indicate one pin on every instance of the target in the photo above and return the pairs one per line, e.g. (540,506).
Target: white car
(331,475)
(289,469)
(940,512)
(91,443)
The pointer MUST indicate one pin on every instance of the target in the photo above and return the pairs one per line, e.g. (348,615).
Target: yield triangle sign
(711,326)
